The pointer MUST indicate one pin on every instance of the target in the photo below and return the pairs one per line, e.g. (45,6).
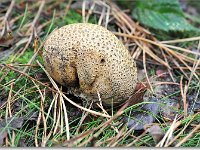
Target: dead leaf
(139,119)
(7,40)
(22,143)
(13,122)
(161,73)
(88,4)
(2,136)
(10,123)
(156,132)
(6,53)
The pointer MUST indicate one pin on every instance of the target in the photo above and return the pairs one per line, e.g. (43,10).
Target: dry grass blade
(102,15)
(182,49)
(83,11)
(179,67)
(98,130)
(181,132)
(183,94)
(102,127)
(36,129)
(177,55)
(13,97)
(144,64)
(155,57)
(188,136)
(56,117)
(90,11)
(8,108)
(43,118)
(181,40)
(195,65)
(9,111)
(44,136)
(100,104)
(85,114)
(137,139)
(165,140)
(51,105)
(116,139)
(77,139)
(42,115)
(169,70)
(123,135)
(66,118)
(4,74)
(149,52)
(61,115)
(47,116)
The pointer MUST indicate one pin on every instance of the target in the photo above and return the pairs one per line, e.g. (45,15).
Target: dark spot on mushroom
(102,61)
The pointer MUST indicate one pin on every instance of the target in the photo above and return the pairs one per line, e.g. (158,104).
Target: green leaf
(164,15)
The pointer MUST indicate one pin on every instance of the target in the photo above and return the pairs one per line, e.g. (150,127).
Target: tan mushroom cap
(88,59)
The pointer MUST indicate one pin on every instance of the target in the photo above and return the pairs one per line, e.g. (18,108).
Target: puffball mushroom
(91,62)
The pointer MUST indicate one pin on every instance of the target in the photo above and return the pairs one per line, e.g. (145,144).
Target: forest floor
(33,112)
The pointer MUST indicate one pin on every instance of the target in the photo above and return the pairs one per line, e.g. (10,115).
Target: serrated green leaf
(164,15)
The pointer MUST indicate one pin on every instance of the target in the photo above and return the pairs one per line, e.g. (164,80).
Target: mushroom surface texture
(91,62)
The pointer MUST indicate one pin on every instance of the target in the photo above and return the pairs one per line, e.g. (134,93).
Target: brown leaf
(156,132)
(2,136)
(7,40)
(144,116)
(88,4)
(161,73)
(11,123)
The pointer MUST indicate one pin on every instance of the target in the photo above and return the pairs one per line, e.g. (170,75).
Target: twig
(83,11)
